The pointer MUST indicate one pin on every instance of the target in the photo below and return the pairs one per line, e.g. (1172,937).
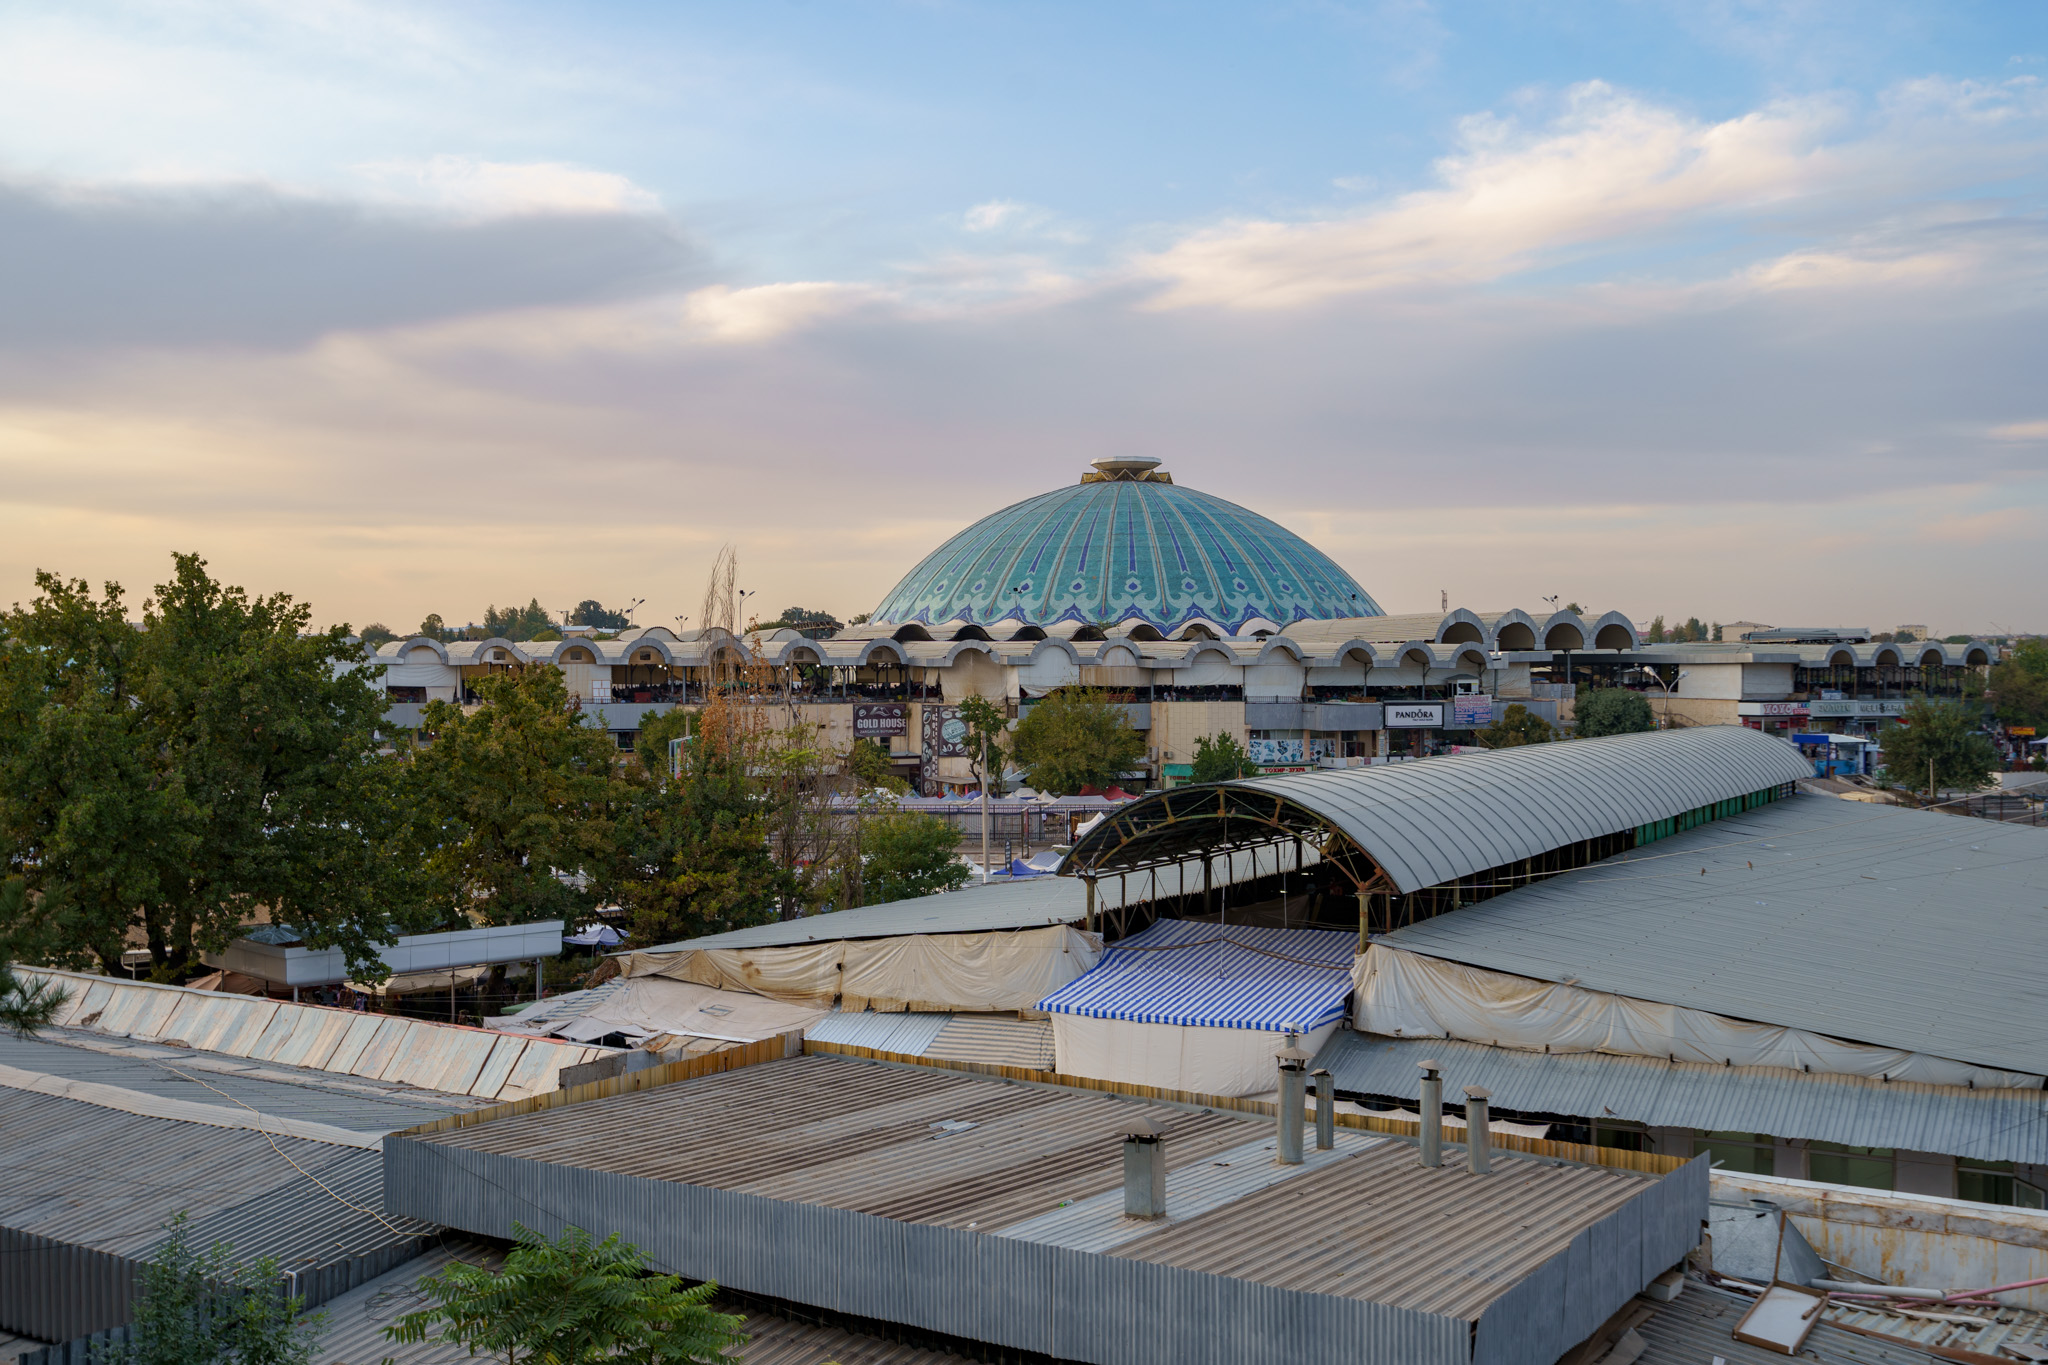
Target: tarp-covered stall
(1188,1005)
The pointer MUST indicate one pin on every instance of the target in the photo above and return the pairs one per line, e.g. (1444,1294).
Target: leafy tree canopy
(2019,685)
(376,635)
(592,613)
(508,796)
(1611,711)
(987,740)
(867,763)
(1219,758)
(571,1301)
(174,778)
(206,1308)
(909,853)
(517,623)
(434,628)
(1076,738)
(1942,734)
(1518,725)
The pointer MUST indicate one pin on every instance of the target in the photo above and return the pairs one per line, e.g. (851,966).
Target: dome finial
(1126,469)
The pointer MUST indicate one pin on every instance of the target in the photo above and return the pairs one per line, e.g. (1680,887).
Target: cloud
(992,215)
(496,189)
(2021,431)
(252,265)
(1615,172)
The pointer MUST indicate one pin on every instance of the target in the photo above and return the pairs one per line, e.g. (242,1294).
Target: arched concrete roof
(1886,654)
(1280,644)
(970,631)
(513,648)
(1515,617)
(1976,654)
(1612,621)
(1475,629)
(560,653)
(1841,657)
(1202,647)
(1470,653)
(1564,620)
(1408,653)
(913,631)
(1432,822)
(648,641)
(1931,650)
(403,653)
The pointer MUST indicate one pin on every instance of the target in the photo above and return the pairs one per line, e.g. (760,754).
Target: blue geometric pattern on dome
(1120,550)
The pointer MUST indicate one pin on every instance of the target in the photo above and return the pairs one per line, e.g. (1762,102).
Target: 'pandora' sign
(1414,715)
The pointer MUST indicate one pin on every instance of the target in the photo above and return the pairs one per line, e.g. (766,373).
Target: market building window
(1743,1153)
(1872,1168)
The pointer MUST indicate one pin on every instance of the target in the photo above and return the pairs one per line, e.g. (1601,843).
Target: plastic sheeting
(1408,995)
(1207,1061)
(997,971)
(657,1005)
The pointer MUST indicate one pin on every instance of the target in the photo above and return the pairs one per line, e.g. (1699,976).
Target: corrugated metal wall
(1029,1296)
(56,1290)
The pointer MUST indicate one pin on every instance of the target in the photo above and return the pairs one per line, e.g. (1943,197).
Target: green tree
(590,612)
(1076,738)
(517,623)
(176,777)
(1219,758)
(2019,685)
(206,1308)
(1574,608)
(867,763)
(987,740)
(1655,634)
(376,635)
(1518,725)
(24,1007)
(1611,711)
(571,1301)
(1938,739)
(510,795)
(433,627)
(909,853)
(690,852)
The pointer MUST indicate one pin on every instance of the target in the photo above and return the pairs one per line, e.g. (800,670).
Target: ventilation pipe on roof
(1293,1097)
(1432,1113)
(1144,1168)
(1326,1109)
(1478,1137)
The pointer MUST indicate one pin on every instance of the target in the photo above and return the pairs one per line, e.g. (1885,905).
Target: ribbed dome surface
(1119,550)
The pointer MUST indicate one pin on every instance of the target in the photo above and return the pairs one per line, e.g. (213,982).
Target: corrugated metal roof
(1906,929)
(364,1106)
(844,1134)
(1216,976)
(995,1040)
(1698,1326)
(1030,903)
(909,1034)
(1990,1125)
(110,1180)
(1439,819)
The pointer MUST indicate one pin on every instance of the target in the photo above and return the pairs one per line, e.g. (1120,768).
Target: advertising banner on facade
(880,720)
(943,735)
(1269,751)
(1471,712)
(1419,715)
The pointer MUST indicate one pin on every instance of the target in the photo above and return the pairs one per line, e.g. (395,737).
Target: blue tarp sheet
(1216,976)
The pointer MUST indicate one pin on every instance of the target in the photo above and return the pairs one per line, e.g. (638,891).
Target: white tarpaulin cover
(655,1005)
(1208,1061)
(1408,995)
(996,971)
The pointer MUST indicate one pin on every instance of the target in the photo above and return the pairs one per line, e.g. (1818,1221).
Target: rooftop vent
(1432,1113)
(1293,1078)
(1144,1168)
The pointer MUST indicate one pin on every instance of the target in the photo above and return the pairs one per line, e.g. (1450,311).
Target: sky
(1693,308)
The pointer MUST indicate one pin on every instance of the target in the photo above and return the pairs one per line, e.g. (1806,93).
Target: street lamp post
(1658,678)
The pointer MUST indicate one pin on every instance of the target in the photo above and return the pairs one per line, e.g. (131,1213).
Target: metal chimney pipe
(1478,1137)
(1326,1109)
(1293,1097)
(1432,1108)
(1144,1168)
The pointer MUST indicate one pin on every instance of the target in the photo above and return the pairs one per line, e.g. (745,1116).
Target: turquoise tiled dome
(1125,544)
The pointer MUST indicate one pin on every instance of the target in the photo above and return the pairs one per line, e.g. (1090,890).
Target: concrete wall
(1176,725)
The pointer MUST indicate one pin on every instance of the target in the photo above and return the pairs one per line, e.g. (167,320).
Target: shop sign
(1771,708)
(880,720)
(1471,712)
(1417,715)
(1271,751)
(1890,706)
(2026,730)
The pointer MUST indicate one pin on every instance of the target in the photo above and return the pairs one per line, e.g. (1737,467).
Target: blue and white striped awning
(1216,976)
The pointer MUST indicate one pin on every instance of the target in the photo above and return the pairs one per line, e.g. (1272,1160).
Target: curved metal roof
(1432,821)
(1119,550)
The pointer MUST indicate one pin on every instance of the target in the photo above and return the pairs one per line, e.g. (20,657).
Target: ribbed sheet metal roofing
(1988,1125)
(1030,903)
(363,1106)
(1216,976)
(1698,1326)
(846,1134)
(109,1180)
(1442,818)
(1905,929)
(909,1034)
